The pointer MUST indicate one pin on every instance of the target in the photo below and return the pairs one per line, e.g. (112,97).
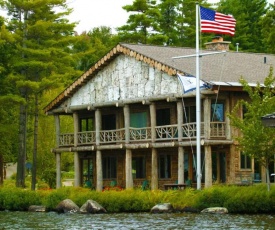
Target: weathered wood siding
(125,78)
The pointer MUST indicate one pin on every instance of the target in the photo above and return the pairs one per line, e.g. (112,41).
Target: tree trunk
(267,176)
(20,177)
(34,157)
(1,169)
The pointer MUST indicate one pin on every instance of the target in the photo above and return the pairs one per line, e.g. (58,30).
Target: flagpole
(198,101)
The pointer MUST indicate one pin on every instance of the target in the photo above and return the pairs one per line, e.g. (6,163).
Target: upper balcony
(163,133)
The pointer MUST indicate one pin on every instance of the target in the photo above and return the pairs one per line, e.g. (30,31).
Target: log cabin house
(133,122)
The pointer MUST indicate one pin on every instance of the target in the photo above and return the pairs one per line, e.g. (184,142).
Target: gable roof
(223,69)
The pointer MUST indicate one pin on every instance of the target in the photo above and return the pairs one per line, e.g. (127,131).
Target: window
(189,114)
(109,122)
(217,112)
(138,167)
(165,166)
(86,124)
(109,167)
(245,161)
(163,117)
(138,120)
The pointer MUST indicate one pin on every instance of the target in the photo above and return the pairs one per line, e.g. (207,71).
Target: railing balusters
(166,132)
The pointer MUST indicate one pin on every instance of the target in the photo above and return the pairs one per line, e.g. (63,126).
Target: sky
(96,13)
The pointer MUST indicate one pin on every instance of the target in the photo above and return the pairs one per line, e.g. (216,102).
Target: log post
(57,155)
(99,174)
(126,111)
(154,177)
(180,149)
(58,170)
(128,165)
(76,155)
(207,117)
(153,121)
(227,119)
(208,166)
(180,165)
(97,126)
(128,152)
(180,119)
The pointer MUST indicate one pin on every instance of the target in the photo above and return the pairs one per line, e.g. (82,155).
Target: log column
(154,177)
(128,154)
(57,155)
(207,117)
(227,119)
(99,172)
(76,155)
(180,148)
(208,166)
(207,149)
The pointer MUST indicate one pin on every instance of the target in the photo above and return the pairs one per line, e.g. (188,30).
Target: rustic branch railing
(166,132)
(66,139)
(217,129)
(189,130)
(86,137)
(140,134)
(111,136)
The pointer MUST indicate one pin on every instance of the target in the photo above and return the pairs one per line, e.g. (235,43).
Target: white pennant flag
(189,83)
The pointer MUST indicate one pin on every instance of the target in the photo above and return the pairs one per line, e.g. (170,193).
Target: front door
(219,167)
(87,172)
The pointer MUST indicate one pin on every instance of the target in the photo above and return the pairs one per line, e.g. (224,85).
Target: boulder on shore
(215,210)
(67,206)
(37,208)
(92,206)
(162,208)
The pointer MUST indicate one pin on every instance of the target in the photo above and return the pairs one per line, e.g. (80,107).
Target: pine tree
(268,30)
(142,25)
(44,38)
(248,14)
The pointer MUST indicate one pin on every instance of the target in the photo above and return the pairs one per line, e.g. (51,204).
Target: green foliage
(248,15)
(142,25)
(244,199)
(52,198)
(268,30)
(256,140)
(17,199)
(49,176)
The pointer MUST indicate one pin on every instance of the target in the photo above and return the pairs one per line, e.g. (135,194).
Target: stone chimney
(217,44)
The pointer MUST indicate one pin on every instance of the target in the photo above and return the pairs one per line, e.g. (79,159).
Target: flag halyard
(215,22)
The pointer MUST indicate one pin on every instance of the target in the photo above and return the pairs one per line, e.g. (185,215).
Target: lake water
(121,221)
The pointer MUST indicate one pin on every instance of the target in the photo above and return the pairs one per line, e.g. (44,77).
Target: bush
(250,199)
(17,199)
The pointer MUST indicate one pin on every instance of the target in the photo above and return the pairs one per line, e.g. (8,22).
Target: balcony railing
(140,134)
(86,137)
(163,133)
(66,139)
(167,132)
(112,136)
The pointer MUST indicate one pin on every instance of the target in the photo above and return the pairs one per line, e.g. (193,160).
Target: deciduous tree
(256,140)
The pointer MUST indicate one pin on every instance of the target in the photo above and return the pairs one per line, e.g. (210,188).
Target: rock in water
(67,206)
(92,206)
(218,210)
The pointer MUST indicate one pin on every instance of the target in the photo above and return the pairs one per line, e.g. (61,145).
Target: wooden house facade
(133,122)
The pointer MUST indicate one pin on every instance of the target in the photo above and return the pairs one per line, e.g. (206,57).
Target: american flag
(215,22)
